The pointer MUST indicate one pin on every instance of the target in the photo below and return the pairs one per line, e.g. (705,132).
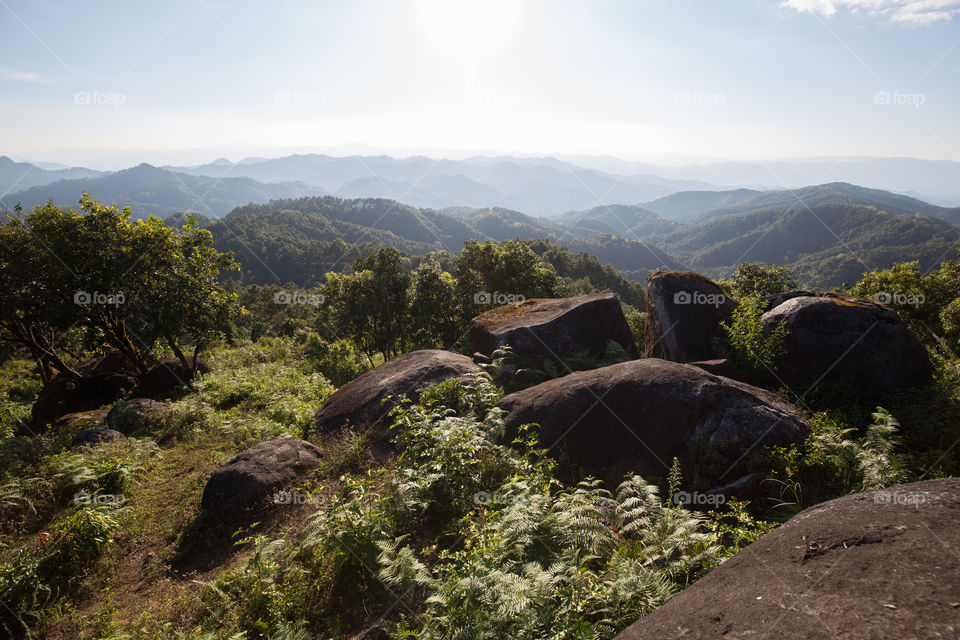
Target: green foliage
(36,578)
(835,460)
(533,559)
(508,268)
(637,321)
(928,302)
(131,284)
(434,322)
(752,279)
(754,349)
(338,361)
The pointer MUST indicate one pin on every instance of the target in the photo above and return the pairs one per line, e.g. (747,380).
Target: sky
(641,80)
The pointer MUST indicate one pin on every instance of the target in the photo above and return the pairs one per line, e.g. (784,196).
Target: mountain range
(282,219)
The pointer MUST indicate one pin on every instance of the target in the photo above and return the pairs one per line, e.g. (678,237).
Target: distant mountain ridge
(537,186)
(152,191)
(23,175)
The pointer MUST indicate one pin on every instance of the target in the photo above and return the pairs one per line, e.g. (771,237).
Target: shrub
(752,348)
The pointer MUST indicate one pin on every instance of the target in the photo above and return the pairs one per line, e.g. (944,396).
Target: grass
(159,568)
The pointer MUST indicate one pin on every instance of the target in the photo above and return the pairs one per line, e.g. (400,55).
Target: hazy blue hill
(23,175)
(539,186)
(154,191)
(685,205)
(833,193)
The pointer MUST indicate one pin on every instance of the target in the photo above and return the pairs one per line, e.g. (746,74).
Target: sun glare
(463,26)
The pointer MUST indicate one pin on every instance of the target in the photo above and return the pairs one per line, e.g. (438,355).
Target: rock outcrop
(552,327)
(128,414)
(835,339)
(63,395)
(80,420)
(248,479)
(360,403)
(166,377)
(636,416)
(872,565)
(684,311)
(97,436)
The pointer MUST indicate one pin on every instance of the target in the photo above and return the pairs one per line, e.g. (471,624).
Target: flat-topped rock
(871,565)
(836,339)
(636,416)
(360,403)
(552,327)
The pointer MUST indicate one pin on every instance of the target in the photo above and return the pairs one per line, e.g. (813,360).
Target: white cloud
(917,12)
(22,76)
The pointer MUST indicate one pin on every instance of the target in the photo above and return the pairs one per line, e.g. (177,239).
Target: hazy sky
(750,79)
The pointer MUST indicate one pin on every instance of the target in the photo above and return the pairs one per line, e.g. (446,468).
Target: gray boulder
(360,403)
(836,339)
(128,414)
(97,436)
(251,476)
(552,327)
(636,416)
(684,311)
(870,565)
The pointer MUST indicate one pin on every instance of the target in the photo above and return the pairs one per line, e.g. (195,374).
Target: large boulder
(128,415)
(871,565)
(62,395)
(684,311)
(360,403)
(101,381)
(552,327)
(252,475)
(166,377)
(836,339)
(636,416)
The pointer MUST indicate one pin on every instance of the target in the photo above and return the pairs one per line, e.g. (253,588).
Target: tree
(510,269)
(434,317)
(751,278)
(131,285)
(927,302)
(372,305)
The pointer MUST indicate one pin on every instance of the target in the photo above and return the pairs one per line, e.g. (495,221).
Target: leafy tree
(751,278)
(372,306)
(509,268)
(928,303)
(434,320)
(131,285)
